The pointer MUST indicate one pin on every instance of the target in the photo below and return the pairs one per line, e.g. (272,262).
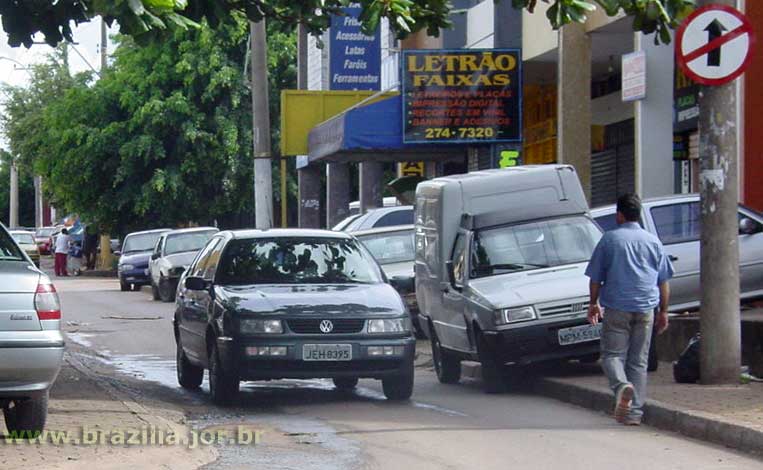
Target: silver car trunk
(18,285)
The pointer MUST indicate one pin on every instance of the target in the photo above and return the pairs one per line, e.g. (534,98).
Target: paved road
(308,425)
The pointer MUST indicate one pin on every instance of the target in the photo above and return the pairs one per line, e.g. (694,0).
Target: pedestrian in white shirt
(61,252)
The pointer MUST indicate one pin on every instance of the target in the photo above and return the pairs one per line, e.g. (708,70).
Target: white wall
(610,109)
(537,35)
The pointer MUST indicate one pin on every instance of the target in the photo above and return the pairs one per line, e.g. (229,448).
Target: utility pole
(720,352)
(263,178)
(13,219)
(106,260)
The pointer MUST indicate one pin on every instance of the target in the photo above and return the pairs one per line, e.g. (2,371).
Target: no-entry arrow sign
(714,45)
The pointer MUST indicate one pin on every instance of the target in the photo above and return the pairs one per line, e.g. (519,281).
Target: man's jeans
(625,339)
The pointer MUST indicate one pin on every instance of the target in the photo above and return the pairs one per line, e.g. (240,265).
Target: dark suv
(261,305)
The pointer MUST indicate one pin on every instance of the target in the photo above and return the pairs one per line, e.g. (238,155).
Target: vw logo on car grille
(326,326)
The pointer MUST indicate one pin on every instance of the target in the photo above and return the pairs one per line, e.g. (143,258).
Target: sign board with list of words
(462,96)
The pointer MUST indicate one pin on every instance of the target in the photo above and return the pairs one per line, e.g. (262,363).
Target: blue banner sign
(355,58)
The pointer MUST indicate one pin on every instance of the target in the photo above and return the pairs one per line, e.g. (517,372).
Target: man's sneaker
(623,400)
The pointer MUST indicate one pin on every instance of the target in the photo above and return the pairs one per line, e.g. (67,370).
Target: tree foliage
(145,20)
(163,138)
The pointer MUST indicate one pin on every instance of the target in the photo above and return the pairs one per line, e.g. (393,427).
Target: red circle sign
(714,45)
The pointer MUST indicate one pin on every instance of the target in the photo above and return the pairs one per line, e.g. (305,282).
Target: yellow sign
(410,169)
(301,110)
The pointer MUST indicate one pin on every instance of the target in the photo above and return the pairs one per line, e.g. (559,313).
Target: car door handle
(673,258)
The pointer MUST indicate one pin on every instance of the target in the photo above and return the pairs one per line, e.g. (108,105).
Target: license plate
(327,352)
(579,334)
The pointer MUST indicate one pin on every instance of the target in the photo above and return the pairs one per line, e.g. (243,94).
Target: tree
(26,192)
(147,19)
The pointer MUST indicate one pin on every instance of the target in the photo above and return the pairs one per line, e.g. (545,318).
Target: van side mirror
(747,226)
(451,275)
(196,283)
(154,256)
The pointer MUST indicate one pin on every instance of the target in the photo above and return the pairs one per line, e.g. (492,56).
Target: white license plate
(579,334)
(327,352)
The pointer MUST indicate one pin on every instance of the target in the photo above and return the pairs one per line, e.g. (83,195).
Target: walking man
(629,274)
(61,253)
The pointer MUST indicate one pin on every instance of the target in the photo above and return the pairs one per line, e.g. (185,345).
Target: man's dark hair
(630,206)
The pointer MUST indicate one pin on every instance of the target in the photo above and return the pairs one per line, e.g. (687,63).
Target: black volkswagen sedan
(277,304)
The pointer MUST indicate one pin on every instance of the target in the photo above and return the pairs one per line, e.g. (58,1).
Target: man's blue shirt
(630,263)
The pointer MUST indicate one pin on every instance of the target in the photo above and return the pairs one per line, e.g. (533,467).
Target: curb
(695,424)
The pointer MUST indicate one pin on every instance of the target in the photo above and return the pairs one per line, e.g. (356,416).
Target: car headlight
(126,267)
(391,325)
(514,315)
(261,327)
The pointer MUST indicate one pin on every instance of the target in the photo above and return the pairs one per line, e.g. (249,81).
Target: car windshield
(391,247)
(45,232)
(9,251)
(23,238)
(533,245)
(141,242)
(189,241)
(296,261)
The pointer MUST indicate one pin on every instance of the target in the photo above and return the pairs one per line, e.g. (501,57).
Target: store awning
(372,132)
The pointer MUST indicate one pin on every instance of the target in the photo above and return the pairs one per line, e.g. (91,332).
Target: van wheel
(124,287)
(189,375)
(223,386)
(493,372)
(26,418)
(401,387)
(154,291)
(447,366)
(345,383)
(165,290)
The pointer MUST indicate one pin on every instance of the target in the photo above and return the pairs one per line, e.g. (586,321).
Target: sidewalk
(81,401)
(726,415)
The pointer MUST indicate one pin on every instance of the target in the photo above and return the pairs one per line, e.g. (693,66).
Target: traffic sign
(714,44)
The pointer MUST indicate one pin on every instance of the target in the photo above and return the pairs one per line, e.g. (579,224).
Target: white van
(500,262)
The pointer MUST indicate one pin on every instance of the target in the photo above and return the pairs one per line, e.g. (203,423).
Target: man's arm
(594,311)
(662,316)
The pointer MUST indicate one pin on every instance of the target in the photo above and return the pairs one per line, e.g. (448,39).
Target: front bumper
(537,343)
(138,276)
(292,366)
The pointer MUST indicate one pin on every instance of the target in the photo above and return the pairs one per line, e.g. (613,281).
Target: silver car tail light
(46,302)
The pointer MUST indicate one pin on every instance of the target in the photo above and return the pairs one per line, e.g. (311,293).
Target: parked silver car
(31,341)
(377,218)
(676,221)
(394,249)
(172,254)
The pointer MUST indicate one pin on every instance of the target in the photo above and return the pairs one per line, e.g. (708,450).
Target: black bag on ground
(686,368)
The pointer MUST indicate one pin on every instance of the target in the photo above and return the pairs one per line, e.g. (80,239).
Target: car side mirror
(403,283)
(747,226)
(154,256)
(196,283)
(117,253)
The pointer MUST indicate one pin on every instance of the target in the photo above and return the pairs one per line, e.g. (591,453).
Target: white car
(173,253)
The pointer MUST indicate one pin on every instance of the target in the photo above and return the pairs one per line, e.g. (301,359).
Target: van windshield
(533,245)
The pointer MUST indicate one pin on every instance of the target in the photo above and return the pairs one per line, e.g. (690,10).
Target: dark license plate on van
(327,352)
(579,334)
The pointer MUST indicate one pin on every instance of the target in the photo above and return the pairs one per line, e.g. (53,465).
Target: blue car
(133,260)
